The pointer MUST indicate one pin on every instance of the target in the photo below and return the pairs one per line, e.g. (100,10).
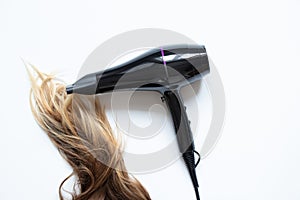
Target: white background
(254,44)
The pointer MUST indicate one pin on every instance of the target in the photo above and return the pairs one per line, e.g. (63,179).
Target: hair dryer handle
(181,123)
(183,133)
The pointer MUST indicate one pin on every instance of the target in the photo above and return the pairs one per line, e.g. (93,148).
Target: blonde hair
(84,139)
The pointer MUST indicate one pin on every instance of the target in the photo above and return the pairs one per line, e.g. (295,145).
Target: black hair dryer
(164,70)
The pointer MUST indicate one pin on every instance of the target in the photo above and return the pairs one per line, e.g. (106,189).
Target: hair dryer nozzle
(69,89)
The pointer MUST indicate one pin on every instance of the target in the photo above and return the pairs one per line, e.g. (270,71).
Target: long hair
(84,139)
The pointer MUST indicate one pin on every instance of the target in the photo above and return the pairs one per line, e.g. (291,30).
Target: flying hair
(84,139)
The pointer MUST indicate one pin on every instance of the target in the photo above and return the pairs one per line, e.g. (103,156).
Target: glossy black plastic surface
(150,71)
(184,134)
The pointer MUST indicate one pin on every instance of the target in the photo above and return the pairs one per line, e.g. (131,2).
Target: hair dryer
(164,70)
